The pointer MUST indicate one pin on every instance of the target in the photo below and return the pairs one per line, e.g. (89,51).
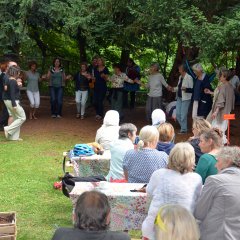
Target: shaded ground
(85,129)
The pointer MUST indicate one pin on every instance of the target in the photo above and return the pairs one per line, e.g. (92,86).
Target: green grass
(28,170)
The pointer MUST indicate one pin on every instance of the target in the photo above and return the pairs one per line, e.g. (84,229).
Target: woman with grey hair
(118,149)
(202,102)
(218,206)
(155,82)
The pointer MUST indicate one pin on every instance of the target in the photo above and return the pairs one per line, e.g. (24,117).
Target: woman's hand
(137,81)
(207,91)
(19,82)
(214,115)
(169,88)
(184,89)
(68,77)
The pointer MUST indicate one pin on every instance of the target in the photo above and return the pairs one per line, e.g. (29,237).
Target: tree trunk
(34,34)
(81,45)
(124,57)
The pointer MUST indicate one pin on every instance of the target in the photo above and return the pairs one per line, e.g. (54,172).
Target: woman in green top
(210,143)
(57,78)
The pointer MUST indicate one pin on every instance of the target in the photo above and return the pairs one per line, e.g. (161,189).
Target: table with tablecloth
(85,166)
(128,209)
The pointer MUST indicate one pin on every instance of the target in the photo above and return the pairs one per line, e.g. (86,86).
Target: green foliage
(151,30)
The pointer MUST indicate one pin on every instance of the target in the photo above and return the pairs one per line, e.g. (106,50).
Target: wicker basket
(8,227)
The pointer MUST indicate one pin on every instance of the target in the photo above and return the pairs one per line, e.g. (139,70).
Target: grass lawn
(27,173)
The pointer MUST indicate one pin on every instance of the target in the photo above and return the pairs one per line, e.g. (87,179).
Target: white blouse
(170,187)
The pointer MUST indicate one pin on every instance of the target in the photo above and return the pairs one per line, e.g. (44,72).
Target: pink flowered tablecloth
(92,165)
(128,209)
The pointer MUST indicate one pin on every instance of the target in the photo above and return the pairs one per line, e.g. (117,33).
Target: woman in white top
(118,149)
(109,131)
(155,82)
(176,185)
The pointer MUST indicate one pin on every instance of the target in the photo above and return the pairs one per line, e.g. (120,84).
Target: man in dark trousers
(4,112)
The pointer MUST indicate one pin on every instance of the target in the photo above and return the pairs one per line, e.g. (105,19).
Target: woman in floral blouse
(117,80)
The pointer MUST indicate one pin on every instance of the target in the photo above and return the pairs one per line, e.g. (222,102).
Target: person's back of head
(158,117)
(92,212)
(148,137)
(13,71)
(182,158)
(111,118)
(127,130)
(200,125)
(166,132)
(174,222)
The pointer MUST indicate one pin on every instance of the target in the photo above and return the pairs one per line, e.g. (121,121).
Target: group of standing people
(207,103)
(95,80)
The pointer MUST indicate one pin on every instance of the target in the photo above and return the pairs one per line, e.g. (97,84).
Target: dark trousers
(56,99)
(117,101)
(4,114)
(132,99)
(99,96)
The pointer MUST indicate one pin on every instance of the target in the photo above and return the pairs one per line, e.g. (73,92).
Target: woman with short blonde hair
(139,164)
(176,185)
(166,135)
(174,222)
(218,206)
(182,158)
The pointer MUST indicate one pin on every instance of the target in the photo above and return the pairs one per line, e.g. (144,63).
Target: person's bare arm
(126,174)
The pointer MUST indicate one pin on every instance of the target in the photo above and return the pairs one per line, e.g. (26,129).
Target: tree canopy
(149,30)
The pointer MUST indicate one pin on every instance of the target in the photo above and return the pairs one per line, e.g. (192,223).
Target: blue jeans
(182,113)
(56,99)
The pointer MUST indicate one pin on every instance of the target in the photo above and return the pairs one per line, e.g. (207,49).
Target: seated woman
(218,206)
(199,125)
(118,149)
(108,132)
(139,164)
(92,221)
(210,143)
(177,184)
(175,222)
(166,135)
